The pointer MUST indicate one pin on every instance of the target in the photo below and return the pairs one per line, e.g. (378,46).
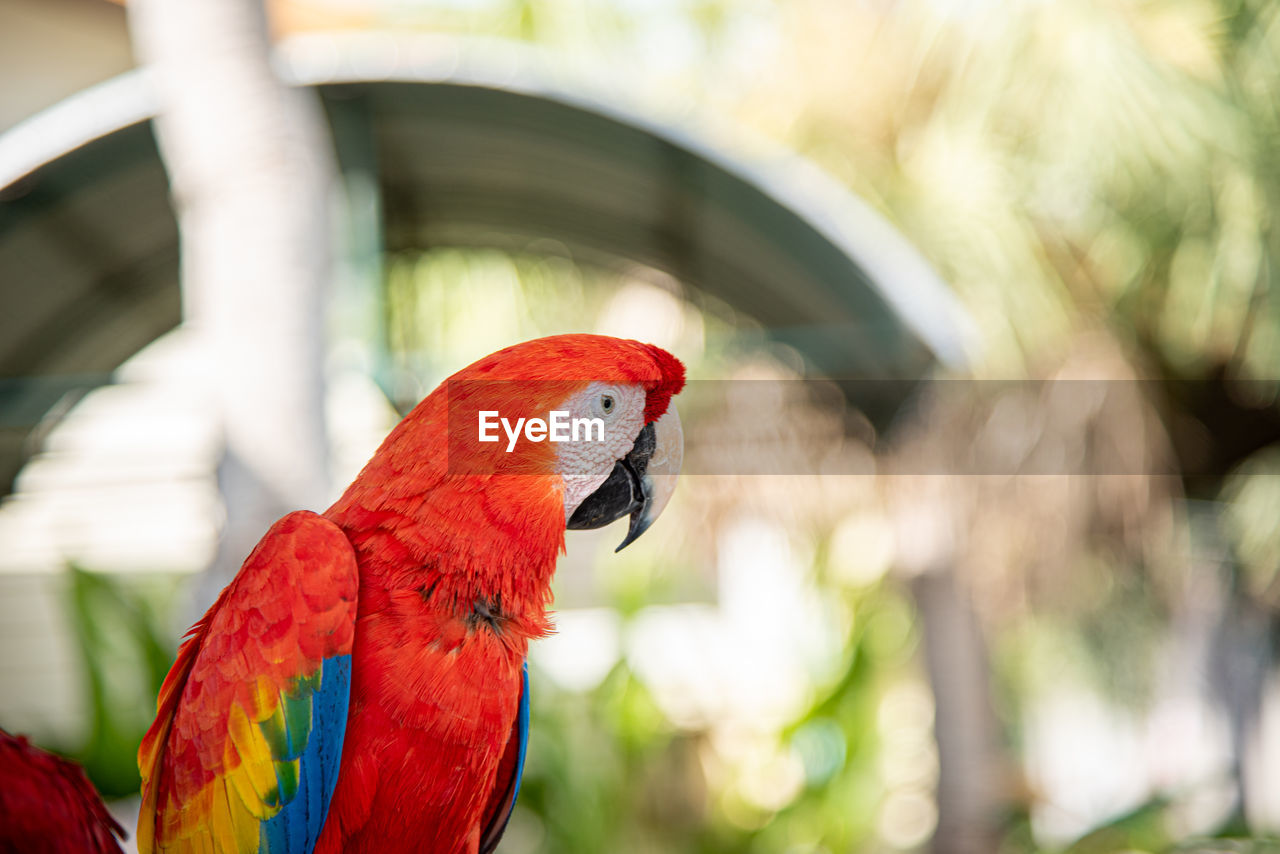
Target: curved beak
(640,484)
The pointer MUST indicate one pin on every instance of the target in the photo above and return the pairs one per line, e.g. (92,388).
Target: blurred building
(440,143)
(51,49)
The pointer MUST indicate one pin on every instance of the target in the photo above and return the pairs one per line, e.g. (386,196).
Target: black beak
(627,490)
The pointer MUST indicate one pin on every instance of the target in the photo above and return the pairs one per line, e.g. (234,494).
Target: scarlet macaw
(361,685)
(48,805)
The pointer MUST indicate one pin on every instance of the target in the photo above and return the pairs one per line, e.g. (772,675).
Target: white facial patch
(586,463)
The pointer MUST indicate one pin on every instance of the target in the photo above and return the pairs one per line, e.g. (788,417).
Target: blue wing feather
(295,829)
(520,737)
(523,724)
(245,750)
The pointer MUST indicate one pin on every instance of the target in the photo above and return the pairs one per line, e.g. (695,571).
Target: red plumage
(48,805)
(291,606)
(453,564)
(433,696)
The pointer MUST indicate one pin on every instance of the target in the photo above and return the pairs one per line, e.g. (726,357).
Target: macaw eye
(606,403)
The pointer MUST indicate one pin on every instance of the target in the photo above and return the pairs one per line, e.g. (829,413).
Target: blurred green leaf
(125,654)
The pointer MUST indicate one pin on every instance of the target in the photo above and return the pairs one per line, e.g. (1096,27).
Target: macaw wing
(503,799)
(247,742)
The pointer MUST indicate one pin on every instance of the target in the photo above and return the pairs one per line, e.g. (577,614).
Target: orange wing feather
(226,755)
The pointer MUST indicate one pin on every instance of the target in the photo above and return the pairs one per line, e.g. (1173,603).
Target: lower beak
(640,484)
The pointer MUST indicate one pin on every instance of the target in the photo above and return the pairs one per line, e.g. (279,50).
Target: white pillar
(251,172)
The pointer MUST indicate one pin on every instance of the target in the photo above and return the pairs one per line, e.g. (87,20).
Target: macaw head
(587,415)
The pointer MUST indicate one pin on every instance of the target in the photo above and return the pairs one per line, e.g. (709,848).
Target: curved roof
(472,146)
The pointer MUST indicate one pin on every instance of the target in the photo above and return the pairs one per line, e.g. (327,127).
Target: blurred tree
(1091,177)
(251,172)
(1097,180)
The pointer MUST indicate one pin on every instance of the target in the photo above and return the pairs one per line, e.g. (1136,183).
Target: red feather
(435,689)
(291,606)
(454,580)
(48,805)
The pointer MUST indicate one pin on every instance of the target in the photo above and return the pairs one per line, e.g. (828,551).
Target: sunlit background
(1080,659)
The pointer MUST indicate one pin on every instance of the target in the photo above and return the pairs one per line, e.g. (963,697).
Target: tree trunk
(251,173)
(965,725)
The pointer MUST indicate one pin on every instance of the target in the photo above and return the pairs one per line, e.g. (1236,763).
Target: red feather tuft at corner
(48,805)
(658,396)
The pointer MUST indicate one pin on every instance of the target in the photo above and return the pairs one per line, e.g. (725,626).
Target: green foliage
(125,654)
(607,770)
(1073,169)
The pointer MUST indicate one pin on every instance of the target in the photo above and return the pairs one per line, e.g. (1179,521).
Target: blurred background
(237,242)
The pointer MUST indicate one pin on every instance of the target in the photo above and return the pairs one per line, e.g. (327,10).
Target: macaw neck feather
(468,538)
(461,552)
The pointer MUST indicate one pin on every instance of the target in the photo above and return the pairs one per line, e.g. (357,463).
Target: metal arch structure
(464,144)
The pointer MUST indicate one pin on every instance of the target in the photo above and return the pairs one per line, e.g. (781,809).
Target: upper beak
(640,484)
